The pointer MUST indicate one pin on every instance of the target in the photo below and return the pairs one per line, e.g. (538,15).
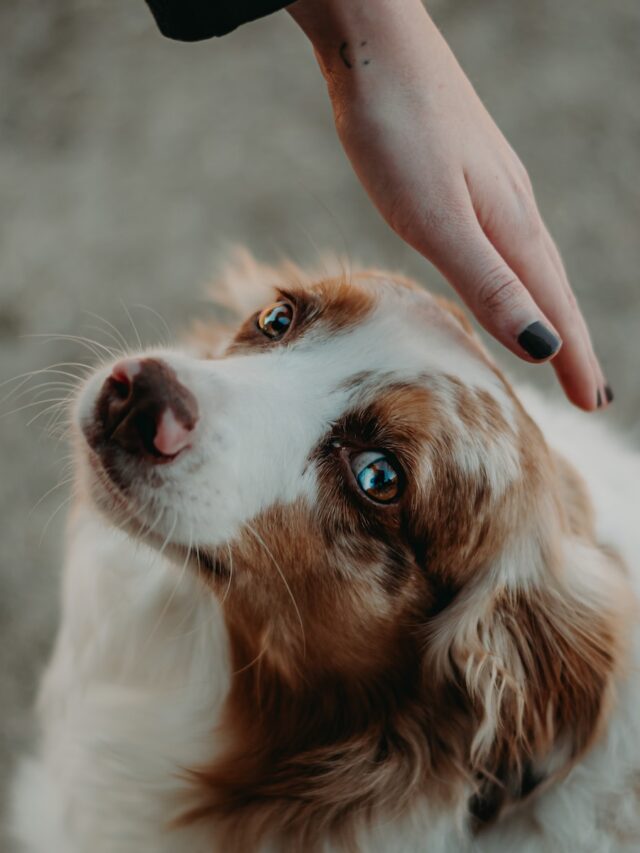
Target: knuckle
(532,227)
(524,210)
(519,171)
(498,290)
(527,218)
(523,178)
(405,218)
(428,222)
(572,301)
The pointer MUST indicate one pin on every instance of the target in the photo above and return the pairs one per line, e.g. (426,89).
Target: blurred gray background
(128,163)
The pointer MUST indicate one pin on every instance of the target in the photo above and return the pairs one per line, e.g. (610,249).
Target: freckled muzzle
(144,410)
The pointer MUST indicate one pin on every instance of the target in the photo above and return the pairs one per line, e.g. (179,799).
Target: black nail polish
(538,341)
(608,393)
(598,399)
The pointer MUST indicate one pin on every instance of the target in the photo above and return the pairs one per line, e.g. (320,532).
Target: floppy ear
(538,665)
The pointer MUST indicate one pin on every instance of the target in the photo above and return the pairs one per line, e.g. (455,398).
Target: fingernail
(538,341)
(608,393)
(598,399)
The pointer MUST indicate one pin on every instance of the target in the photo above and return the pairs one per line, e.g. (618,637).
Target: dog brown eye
(376,476)
(275,320)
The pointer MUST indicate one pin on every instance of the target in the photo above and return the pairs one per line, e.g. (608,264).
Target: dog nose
(146,410)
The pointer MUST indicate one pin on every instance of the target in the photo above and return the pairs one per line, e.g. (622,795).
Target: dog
(332,585)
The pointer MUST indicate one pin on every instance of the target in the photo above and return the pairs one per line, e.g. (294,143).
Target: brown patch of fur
(478,410)
(575,499)
(335,715)
(327,718)
(493,416)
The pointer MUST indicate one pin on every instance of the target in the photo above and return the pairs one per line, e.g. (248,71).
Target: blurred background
(129,163)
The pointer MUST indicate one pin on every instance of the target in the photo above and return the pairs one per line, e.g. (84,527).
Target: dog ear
(538,667)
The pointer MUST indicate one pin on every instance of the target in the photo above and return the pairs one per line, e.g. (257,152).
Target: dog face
(348,446)
(388,534)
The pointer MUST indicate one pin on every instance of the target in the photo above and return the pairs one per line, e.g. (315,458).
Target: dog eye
(376,476)
(275,320)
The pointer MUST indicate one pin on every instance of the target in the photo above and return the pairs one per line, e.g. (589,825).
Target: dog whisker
(226,592)
(165,325)
(52,368)
(56,400)
(60,506)
(13,393)
(40,391)
(257,659)
(170,598)
(55,407)
(261,542)
(120,349)
(133,325)
(60,423)
(117,334)
(167,539)
(97,348)
(50,491)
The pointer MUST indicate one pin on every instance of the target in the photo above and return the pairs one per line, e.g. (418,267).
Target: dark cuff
(195,20)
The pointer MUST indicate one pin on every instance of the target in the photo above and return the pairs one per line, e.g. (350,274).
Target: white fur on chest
(140,670)
(130,698)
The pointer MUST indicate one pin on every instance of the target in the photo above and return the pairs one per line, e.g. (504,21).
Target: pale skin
(447,181)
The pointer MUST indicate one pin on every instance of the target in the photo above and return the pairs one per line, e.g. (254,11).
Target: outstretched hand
(447,181)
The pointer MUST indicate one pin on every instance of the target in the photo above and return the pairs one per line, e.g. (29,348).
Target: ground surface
(128,163)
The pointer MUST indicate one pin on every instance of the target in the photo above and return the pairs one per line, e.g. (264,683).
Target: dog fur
(255,657)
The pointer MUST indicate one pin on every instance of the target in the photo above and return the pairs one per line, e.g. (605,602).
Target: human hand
(447,181)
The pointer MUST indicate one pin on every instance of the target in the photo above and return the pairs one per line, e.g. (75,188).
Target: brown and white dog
(332,587)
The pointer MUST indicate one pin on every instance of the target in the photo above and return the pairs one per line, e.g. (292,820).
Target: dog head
(415,599)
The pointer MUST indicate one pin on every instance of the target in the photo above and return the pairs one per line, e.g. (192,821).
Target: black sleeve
(194,20)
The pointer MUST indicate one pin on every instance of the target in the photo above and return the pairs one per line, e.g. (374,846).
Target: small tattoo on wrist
(344,55)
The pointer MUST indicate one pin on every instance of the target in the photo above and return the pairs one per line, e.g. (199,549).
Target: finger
(519,235)
(494,292)
(576,366)
(605,396)
(575,369)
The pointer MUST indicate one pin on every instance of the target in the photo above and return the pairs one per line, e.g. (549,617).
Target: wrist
(351,36)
